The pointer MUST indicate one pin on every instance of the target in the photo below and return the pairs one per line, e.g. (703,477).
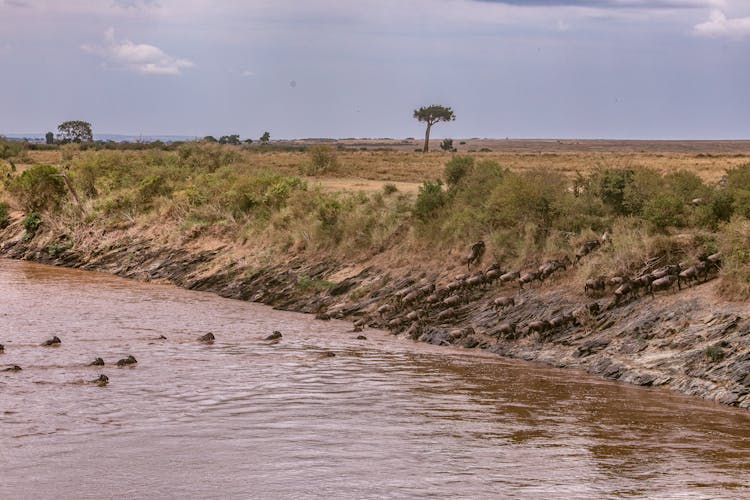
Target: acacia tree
(75,131)
(431,115)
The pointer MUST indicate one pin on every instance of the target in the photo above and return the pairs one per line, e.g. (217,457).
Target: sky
(614,69)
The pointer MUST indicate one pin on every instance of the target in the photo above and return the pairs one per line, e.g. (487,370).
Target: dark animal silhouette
(97,362)
(207,338)
(54,341)
(274,336)
(130,360)
(595,285)
(503,302)
(475,254)
(665,283)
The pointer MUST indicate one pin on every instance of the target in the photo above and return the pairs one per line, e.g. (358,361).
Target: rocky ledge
(686,339)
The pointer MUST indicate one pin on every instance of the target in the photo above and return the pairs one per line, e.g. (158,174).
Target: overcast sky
(658,69)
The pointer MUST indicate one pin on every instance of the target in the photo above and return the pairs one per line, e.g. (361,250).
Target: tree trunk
(427,138)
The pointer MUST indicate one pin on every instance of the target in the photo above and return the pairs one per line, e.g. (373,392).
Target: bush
(430,200)
(10,149)
(610,186)
(389,189)
(322,159)
(4,215)
(37,188)
(457,168)
(31,222)
(734,243)
(447,145)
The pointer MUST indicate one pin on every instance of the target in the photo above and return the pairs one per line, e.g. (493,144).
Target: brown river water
(384,418)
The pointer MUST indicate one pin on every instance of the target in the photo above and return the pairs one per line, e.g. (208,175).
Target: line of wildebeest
(413,306)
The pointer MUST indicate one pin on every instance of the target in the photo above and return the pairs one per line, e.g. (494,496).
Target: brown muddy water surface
(385,417)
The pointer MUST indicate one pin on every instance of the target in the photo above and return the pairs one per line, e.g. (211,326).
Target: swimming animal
(54,341)
(207,338)
(130,360)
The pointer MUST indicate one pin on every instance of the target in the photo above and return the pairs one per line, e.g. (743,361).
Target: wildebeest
(622,291)
(502,302)
(714,260)
(510,276)
(453,300)
(595,285)
(414,315)
(586,248)
(693,273)
(642,282)
(539,326)
(562,320)
(549,267)
(506,329)
(475,254)
(664,283)
(475,280)
(528,277)
(615,281)
(671,270)
(493,275)
(447,314)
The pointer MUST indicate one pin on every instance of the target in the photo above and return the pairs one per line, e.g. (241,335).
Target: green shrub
(31,222)
(4,215)
(714,353)
(10,149)
(430,200)
(389,189)
(734,243)
(457,168)
(322,159)
(37,188)
(663,211)
(610,185)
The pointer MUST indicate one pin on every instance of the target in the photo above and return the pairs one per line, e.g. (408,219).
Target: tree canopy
(432,115)
(75,131)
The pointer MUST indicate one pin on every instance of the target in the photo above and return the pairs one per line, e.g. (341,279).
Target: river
(383,418)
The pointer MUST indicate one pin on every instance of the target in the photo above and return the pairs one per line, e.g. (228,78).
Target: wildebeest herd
(418,304)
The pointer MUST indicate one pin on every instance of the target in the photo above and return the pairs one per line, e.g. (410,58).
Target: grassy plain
(530,200)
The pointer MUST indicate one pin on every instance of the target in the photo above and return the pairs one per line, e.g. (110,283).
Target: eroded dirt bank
(688,340)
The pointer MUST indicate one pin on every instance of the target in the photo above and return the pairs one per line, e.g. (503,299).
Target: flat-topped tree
(431,115)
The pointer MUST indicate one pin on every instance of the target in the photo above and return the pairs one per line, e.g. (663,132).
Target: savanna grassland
(381,201)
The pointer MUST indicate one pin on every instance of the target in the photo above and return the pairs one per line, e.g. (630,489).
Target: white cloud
(719,25)
(247,73)
(138,57)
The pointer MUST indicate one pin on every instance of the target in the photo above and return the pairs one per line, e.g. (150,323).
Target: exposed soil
(688,340)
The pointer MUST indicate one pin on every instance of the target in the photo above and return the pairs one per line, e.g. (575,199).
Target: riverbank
(689,340)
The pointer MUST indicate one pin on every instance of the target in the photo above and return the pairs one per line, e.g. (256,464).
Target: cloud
(135,4)
(141,57)
(16,3)
(613,4)
(247,73)
(718,25)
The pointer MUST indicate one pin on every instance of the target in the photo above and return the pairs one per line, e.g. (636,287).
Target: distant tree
(447,145)
(49,138)
(10,149)
(230,139)
(75,131)
(248,141)
(265,138)
(210,138)
(432,115)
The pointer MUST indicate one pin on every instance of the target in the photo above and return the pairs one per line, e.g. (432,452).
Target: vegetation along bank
(630,265)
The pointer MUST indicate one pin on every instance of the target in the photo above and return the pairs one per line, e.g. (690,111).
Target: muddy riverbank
(687,340)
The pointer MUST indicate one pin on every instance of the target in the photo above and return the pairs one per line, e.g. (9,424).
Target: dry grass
(400,164)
